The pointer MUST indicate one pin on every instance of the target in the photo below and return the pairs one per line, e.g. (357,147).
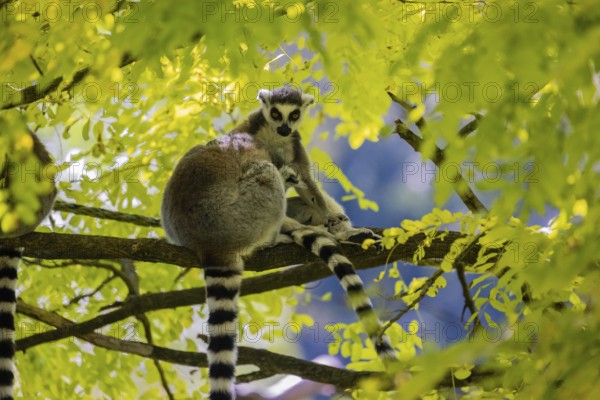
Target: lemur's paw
(261,172)
(290,177)
(334,221)
(280,238)
(319,230)
(357,235)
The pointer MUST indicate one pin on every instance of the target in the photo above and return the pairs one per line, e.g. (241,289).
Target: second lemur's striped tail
(222,294)
(9,262)
(329,251)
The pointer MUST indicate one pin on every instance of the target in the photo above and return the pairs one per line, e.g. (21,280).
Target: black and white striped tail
(329,251)
(9,262)
(222,293)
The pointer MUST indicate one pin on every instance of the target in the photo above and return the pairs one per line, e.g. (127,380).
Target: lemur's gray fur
(227,198)
(10,259)
(275,128)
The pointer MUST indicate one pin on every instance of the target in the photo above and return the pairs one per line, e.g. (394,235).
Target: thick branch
(290,277)
(53,246)
(270,363)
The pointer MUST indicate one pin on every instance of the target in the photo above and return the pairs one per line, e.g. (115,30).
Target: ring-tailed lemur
(9,262)
(274,125)
(227,198)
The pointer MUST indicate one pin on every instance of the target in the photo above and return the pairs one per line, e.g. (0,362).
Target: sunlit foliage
(126,87)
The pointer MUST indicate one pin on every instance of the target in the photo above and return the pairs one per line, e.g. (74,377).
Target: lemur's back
(223,197)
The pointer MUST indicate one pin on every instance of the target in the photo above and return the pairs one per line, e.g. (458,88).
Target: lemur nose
(284,130)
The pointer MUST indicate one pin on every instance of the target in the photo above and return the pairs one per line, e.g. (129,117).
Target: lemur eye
(276,115)
(294,116)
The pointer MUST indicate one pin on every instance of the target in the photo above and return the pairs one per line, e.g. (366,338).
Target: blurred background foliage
(119,90)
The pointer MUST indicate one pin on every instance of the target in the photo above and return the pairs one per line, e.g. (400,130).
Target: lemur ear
(264,96)
(307,99)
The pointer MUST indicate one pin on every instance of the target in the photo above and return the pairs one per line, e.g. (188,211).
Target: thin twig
(471,126)
(460,271)
(50,264)
(133,279)
(143,318)
(460,184)
(459,265)
(36,65)
(422,292)
(182,274)
(415,141)
(80,297)
(408,107)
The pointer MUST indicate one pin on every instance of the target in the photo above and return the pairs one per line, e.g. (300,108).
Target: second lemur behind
(275,127)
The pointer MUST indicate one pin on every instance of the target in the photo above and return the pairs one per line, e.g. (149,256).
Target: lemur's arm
(315,207)
(338,225)
(308,189)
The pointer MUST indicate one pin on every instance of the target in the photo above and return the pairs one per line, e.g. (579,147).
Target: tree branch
(271,363)
(133,283)
(408,107)
(143,318)
(86,295)
(38,91)
(84,263)
(96,212)
(422,292)
(266,259)
(460,266)
(460,184)
(470,127)
(415,141)
(58,246)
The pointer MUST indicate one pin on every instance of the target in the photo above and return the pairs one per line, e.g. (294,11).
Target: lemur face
(284,108)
